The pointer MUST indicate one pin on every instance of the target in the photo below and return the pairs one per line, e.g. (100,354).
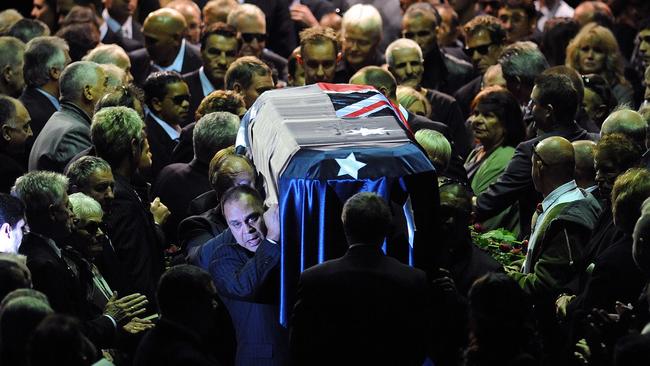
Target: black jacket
(161,145)
(141,65)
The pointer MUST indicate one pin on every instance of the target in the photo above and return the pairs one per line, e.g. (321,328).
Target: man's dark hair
(487,23)
(58,340)
(624,152)
(366,219)
(218,28)
(527,5)
(155,86)
(26,29)
(459,197)
(558,32)
(644,24)
(12,277)
(225,175)
(79,171)
(7,110)
(237,192)
(41,54)
(180,288)
(12,210)
(81,37)
(600,87)
(558,91)
(242,70)
(573,75)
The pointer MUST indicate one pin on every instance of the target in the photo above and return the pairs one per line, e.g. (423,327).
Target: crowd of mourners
(133,228)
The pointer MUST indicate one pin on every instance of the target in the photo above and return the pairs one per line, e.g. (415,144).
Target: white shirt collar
(177,65)
(103,29)
(125,30)
(206,85)
(171,132)
(555,195)
(51,98)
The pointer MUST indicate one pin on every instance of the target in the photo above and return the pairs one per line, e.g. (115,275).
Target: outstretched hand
(124,309)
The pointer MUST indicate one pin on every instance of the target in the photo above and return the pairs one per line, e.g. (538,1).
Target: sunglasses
(482,50)
(248,37)
(422,33)
(179,99)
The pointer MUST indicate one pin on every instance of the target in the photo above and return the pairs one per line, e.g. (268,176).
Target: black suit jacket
(193,178)
(184,150)
(53,276)
(466,94)
(196,93)
(137,243)
(40,110)
(127,44)
(445,109)
(279,26)
(10,169)
(172,344)
(198,229)
(203,203)
(161,145)
(516,182)
(362,309)
(141,65)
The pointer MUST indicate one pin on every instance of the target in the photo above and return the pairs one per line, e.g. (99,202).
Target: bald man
(192,14)
(585,173)
(562,223)
(165,46)
(627,122)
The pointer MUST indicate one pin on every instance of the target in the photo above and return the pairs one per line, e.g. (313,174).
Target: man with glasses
(165,46)
(553,106)
(16,129)
(168,99)
(219,48)
(442,71)
(484,41)
(250,23)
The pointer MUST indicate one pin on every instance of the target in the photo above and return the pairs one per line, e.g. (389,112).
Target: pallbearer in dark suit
(165,47)
(364,308)
(246,276)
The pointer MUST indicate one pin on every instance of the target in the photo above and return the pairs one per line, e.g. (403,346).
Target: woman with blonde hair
(594,50)
(413,101)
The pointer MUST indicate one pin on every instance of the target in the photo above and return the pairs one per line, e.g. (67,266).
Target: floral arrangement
(501,244)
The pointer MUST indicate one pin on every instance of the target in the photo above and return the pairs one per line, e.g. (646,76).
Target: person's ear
(135,148)
(55,73)
(550,111)
(6,74)
(5,231)
(5,133)
(51,212)
(339,57)
(299,59)
(156,104)
(237,88)
(384,91)
(88,92)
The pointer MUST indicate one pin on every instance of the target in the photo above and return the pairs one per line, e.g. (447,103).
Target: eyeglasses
(422,33)
(248,37)
(179,99)
(482,50)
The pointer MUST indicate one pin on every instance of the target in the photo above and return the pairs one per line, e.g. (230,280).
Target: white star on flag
(368,131)
(350,166)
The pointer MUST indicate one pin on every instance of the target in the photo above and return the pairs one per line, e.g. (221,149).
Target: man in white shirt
(552,9)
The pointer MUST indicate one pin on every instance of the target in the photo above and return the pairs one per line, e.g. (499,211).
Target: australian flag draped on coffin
(318,145)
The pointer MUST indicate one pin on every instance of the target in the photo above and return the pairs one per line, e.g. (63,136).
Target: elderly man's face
(98,89)
(218,53)
(483,52)
(422,30)
(516,23)
(244,218)
(644,46)
(124,63)
(15,134)
(252,31)
(407,67)
(319,62)
(193,19)
(62,217)
(358,46)
(14,76)
(100,187)
(90,236)
(163,41)
(606,172)
(175,105)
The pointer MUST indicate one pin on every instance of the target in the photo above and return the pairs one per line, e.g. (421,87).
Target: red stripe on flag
(366,109)
(343,87)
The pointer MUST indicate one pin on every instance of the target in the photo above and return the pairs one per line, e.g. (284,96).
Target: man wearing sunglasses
(219,48)
(250,23)
(168,99)
(484,41)
(443,72)
(165,46)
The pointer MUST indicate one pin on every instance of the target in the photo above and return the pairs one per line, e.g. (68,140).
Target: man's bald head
(192,14)
(627,122)
(553,163)
(163,31)
(378,77)
(585,173)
